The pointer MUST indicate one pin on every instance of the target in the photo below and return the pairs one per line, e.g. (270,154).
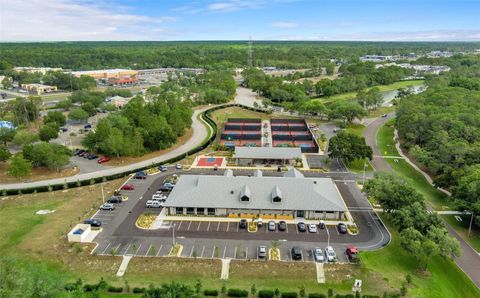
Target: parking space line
(246,252)
(189,224)
(179,225)
(128,247)
(228,226)
(224,251)
(237,227)
(138,249)
(296,227)
(103,252)
(213,252)
(191,251)
(235,253)
(146,254)
(208,226)
(199,224)
(286,228)
(203,249)
(158,253)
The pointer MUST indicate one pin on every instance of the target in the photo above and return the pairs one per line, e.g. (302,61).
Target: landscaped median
(252,227)
(274,254)
(145,220)
(176,250)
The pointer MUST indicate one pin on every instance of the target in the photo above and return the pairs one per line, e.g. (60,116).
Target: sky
(152,20)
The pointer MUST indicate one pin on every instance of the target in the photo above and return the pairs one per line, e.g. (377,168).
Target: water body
(388,96)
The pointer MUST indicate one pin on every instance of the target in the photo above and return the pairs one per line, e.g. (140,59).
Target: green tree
(25,137)
(55,117)
(7,83)
(198,286)
(48,132)
(467,192)
(78,114)
(49,155)
(348,147)
(346,111)
(6,135)
(4,153)
(19,166)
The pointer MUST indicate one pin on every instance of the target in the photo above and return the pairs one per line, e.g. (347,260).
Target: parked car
(115,200)
(128,187)
(271,225)
(301,227)
(352,253)
(140,175)
(107,206)
(85,154)
(296,253)
(93,222)
(259,222)
(153,204)
(82,153)
(63,129)
(242,224)
(92,156)
(103,159)
(159,197)
(87,126)
(342,228)
(78,151)
(165,188)
(168,184)
(262,252)
(330,254)
(282,225)
(162,168)
(178,166)
(384,115)
(321,224)
(318,255)
(312,228)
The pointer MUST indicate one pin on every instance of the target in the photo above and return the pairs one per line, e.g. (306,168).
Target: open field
(383,88)
(386,144)
(36,174)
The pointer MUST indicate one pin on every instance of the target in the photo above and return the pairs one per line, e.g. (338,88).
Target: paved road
(246,97)
(469,261)
(200,132)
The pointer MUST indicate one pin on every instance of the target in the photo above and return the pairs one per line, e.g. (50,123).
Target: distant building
(117,101)
(266,155)
(39,88)
(419,69)
(107,73)
(122,81)
(440,54)
(376,58)
(41,70)
(288,197)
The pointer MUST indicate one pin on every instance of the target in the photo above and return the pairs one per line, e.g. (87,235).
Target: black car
(114,200)
(63,129)
(296,253)
(282,225)
(321,224)
(166,188)
(78,152)
(342,228)
(92,222)
(301,227)
(92,156)
(87,126)
(243,224)
(140,175)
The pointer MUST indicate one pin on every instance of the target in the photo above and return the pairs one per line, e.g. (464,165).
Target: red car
(103,159)
(128,187)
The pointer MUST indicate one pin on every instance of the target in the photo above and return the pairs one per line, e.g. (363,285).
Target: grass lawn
(393,263)
(356,129)
(380,111)
(357,165)
(462,229)
(383,88)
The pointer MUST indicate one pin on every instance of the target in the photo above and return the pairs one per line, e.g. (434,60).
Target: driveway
(246,97)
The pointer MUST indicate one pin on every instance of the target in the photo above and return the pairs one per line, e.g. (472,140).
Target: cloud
(60,20)
(233,5)
(227,6)
(285,25)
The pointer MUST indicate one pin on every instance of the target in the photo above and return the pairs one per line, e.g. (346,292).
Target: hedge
(115,289)
(289,295)
(317,295)
(210,292)
(139,290)
(89,287)
(266,294)
(237,293)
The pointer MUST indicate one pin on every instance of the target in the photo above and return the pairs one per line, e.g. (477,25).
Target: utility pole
(328,235)
(173,235)
(250,53)
(470,227)
(103,194)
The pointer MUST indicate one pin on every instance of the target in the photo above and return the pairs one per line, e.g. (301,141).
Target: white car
(107,206)
(159,197)
(318,255)
(330,254)
(178,166)
(153,204)
(312,228)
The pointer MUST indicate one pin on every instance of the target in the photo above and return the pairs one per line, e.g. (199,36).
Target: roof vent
(245,194)
(314,181)
(231,192)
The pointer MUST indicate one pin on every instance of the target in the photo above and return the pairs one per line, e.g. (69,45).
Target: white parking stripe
(138,249)
(235,253)
(218,226)
(203,249)
(199,224)
(146,254)
(179,225)
(208,227)
(127,248)
(224,251)
(158,253)
(191,251)
(246,252)
(213,252)
(103,252)
(286,228)
(228,226)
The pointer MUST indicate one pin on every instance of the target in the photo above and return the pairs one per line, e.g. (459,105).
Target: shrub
(115,289)
(317,295)
(370,296)
(210,292)
(138,290)
(266,294)
(289,295)
(237,293)
(89,287)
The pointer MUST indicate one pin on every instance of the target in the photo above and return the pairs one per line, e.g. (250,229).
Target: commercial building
(287,197)
(122,81)
(376,58)
(42,70)
(245,156)
(39,88)
(107,73)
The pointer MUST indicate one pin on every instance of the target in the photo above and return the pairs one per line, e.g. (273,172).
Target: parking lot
(224,239)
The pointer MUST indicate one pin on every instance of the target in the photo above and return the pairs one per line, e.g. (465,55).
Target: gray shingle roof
(267,152)
(319,194)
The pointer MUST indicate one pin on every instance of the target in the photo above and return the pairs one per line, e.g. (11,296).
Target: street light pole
(103,194)
(364,169)
(470,227)
(173,235)
(328,236)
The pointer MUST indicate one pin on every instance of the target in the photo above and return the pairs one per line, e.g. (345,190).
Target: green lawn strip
(383,88)
(462,229)
(357,165)
(394,263)
(380,111)
(386,144)
(356,129)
